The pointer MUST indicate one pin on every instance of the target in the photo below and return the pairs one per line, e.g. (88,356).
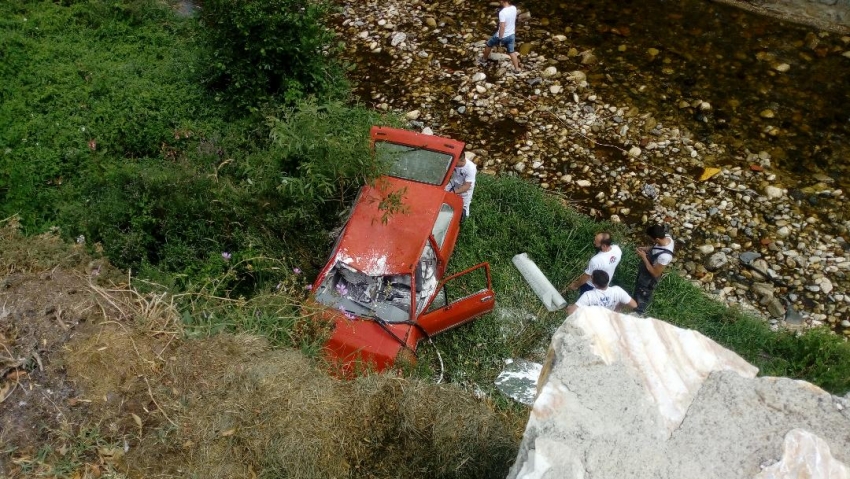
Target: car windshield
(381,297)
(411,163)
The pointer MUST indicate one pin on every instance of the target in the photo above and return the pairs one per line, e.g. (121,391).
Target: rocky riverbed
(746,232)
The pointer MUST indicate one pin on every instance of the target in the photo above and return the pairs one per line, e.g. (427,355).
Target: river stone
(431,22)
(398,37)
(826,285)
(555,89)
(412,115)
(748,257)
(578,76)
(783,232)
(634,152)
(773,192)
(706,249)
(716,261)
(760,266)
(549,72)
(767,113)
(783,67)
(793,317)
(588,59)
(479,77)
(762,290)
(583,183)
(775,308)
(525,48)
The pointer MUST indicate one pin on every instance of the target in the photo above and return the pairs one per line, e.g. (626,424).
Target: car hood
(377,243)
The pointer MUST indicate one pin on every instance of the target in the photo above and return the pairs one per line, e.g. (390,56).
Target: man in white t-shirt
(611,297)
(463,182)
(653,260)
(607,258)
(506,35)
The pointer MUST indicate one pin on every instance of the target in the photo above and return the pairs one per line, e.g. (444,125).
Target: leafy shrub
(270,201)
(270,51)
(85,86)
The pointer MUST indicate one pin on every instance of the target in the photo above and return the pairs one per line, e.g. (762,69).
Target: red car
(384,286)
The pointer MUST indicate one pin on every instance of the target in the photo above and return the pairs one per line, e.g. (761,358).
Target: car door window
(441,226)
(412,163)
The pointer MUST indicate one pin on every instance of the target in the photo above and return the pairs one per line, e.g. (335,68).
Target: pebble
(716,261)
(549,72)
(773,192)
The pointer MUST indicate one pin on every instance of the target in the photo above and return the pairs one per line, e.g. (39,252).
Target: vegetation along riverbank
(170,183)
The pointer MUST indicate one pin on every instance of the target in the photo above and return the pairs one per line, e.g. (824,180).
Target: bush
(86,86)
(274,51)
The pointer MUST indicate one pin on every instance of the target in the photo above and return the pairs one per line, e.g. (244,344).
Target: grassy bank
(510,216)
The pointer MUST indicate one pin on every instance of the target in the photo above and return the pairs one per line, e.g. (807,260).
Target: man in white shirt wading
(653,260)
(506,35)
(607,258)
(611,297)
(463,182)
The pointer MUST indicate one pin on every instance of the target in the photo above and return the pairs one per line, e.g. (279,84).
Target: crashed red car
(384,288)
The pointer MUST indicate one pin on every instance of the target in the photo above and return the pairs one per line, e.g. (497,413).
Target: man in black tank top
(653,260)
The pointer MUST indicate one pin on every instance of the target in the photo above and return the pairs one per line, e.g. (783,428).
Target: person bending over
(610,297)
(607,258)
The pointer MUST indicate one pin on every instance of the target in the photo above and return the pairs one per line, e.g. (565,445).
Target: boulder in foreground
(623,397)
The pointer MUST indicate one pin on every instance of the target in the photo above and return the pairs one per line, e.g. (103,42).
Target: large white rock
(628,397)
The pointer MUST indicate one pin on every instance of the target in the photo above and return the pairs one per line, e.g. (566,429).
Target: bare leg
(486,53)
(515,60)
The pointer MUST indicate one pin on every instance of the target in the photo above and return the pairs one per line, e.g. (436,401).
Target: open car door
(460,298)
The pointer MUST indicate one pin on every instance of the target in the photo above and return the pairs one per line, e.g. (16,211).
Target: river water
(731,59)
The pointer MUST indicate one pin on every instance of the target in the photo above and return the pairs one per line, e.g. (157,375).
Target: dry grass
(242,409)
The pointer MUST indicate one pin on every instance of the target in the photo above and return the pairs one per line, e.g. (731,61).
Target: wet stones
(716,261)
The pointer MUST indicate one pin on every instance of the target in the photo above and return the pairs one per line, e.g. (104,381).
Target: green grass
(510,216)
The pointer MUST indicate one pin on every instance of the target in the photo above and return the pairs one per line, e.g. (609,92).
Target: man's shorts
(508,42)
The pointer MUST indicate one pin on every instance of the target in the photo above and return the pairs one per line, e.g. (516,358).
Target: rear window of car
(412,163)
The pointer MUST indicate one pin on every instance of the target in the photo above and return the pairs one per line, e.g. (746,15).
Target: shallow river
(730,58)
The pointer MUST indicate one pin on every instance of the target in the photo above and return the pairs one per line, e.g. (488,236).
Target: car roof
(376,247)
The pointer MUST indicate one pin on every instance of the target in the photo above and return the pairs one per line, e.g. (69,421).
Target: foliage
(270,51)
(86,85)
